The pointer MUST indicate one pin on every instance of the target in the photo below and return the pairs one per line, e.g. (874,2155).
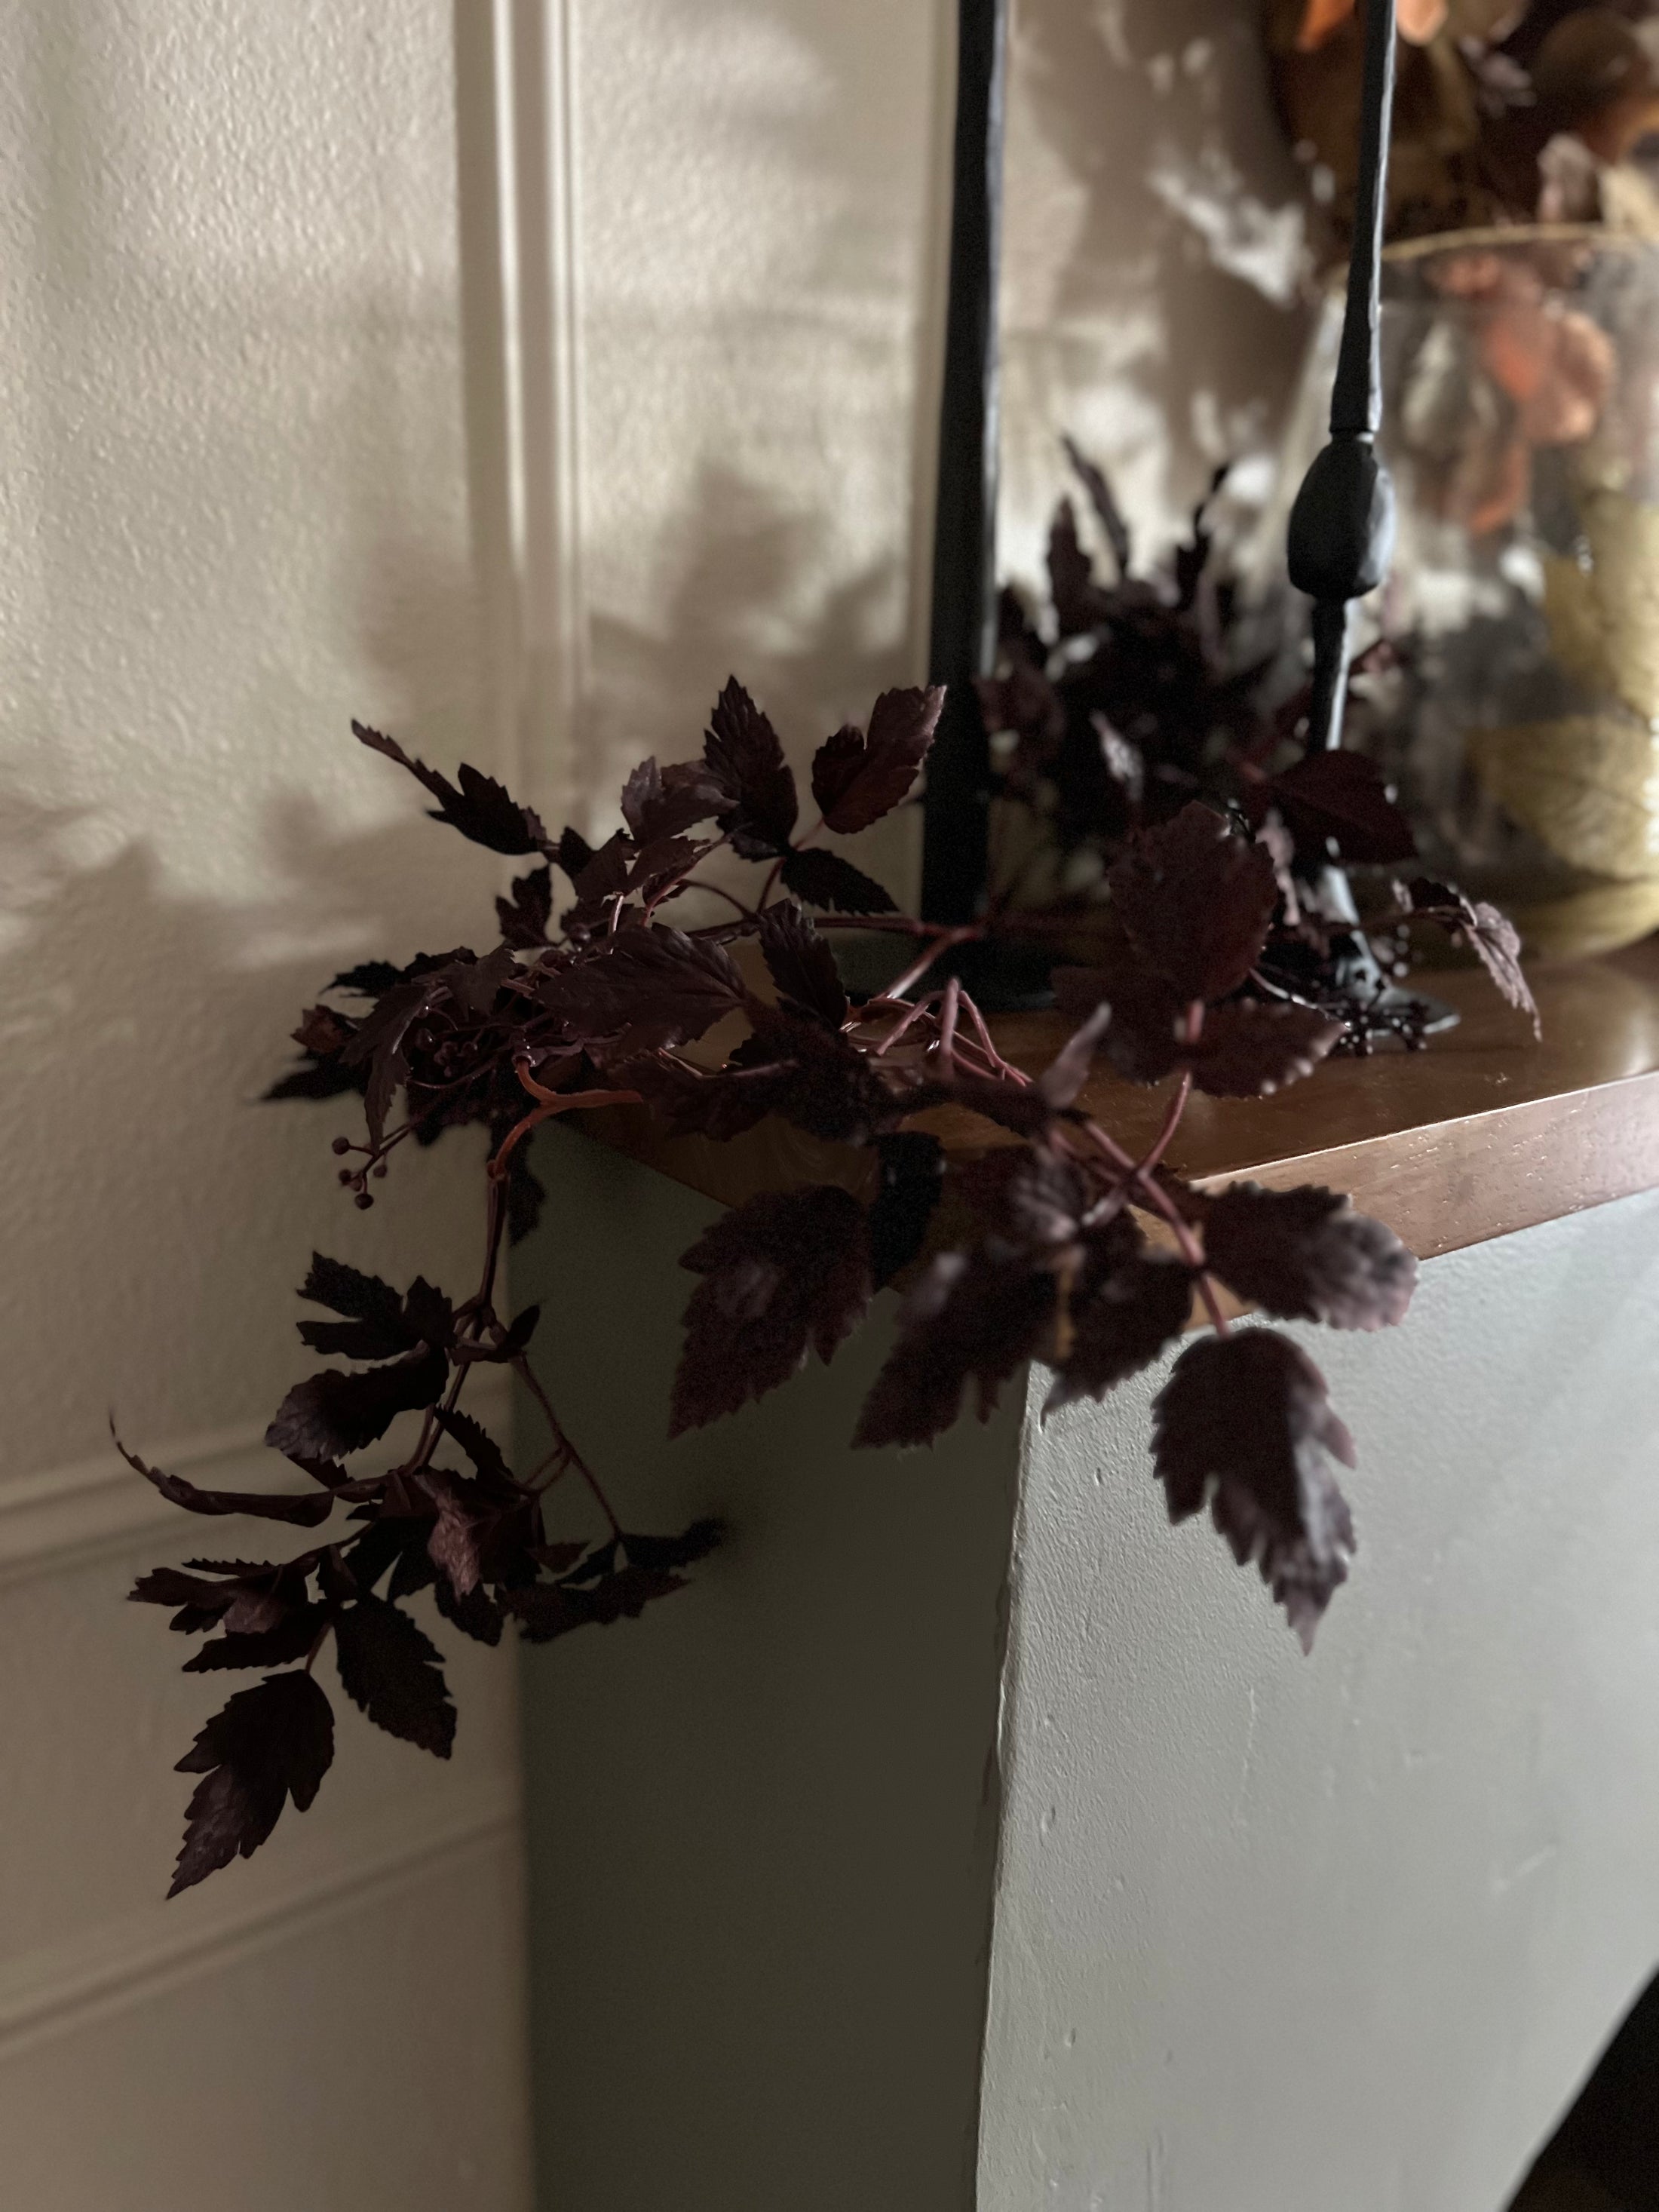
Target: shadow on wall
(158,1217)
(1154,277)
(737,609)
(759,252)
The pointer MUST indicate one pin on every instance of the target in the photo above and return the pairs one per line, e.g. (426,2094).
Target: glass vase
(1516,704)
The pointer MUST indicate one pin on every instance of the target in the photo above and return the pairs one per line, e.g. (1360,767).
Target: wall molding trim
(520,323)
(69,1515)
(109,1968)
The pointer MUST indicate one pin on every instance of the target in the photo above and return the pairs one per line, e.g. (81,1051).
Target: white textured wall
(1151,258)
(232,515)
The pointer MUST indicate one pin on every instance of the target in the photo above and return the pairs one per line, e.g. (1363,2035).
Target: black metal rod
(1356,394)
(962,638)
(1342,533)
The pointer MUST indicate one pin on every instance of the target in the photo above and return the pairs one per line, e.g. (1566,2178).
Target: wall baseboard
(110,1968)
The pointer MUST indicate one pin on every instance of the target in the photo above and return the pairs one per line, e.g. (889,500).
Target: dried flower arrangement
(1045,1256)
(1507,111)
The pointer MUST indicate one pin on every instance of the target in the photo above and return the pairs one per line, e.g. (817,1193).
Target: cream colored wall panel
(369,2062)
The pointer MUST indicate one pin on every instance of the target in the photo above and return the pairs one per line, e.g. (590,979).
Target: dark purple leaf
(1194,901)
(572,853)
(477,1614)
(1305,1255)
(480,809)
(856,779)
(912,1179)
(786,1270)
(525,913)
(801,964)
(1026,1196)
(290,1639)
(476,1441)
(661,803)
(1489,935)
(1243,1424)
(269,1744)
(1251,1049)
(331,1414)
(369,979)
(746,764)
(655,980)
(1141,1038)
(304,1509)
(1141,1305)
(976,1317)
(465,1516)
(1338,796)
(378,1045)
(825,879)
(394,1672)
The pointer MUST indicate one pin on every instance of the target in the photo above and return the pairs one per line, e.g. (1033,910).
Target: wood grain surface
(1484,1131)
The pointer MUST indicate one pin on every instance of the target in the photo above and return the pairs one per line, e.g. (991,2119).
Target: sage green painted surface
(1343,1934)
(1269,1934)
(761,1827)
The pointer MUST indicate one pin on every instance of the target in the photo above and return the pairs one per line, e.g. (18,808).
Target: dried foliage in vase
(1049,1256)
(1505,112)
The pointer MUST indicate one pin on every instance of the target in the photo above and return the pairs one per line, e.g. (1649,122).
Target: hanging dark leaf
(270,1744)
(801,964)
(1195,901)
(1139,1307)
(1251,1049)
(825,879)
(976,1317)
(1305,1255)
(331,1414)
(527,913)
(303,1510)
(657,981)
(857,778)
(394,1672)
(787,1270)
(912,1179)
(290,1639)
(1243,1424)
(480,809)
(1339,797)
(746,766)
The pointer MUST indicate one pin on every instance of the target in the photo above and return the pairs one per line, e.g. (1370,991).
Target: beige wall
(1152,260)
(232,515)
(760,264)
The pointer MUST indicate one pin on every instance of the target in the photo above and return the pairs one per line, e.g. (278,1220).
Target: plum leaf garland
(1034,1248)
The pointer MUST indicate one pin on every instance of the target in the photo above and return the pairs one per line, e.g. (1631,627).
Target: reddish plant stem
(944,940)
(566,1450)
(947,1026)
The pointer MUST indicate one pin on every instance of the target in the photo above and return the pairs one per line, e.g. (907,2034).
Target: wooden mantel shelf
(1484,1131)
